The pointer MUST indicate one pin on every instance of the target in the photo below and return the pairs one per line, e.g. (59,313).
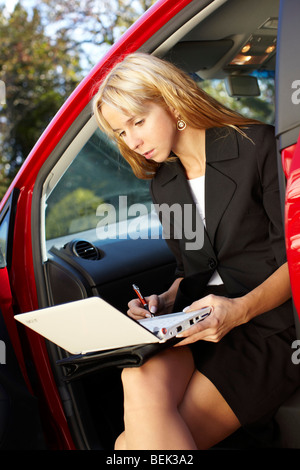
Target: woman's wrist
(243,306)
(166,300)
(168,297)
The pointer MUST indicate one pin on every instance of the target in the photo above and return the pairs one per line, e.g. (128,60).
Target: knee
(134,381)
(135,378)
(147,380)
(120,443)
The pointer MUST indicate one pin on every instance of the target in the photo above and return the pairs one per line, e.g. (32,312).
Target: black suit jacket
(244,236)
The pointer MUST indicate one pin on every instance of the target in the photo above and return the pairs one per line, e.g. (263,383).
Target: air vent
(85,250)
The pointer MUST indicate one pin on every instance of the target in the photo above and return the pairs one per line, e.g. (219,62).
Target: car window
(3,239)
(97,189)
(260,107)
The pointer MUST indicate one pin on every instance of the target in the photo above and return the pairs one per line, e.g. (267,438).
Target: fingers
(153,304)
(213,327)
(199,331)
(208,301)
(227,313)
(137,311)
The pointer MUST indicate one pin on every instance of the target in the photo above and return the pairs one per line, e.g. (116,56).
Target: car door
(288,131)
(288,136)
(20,426)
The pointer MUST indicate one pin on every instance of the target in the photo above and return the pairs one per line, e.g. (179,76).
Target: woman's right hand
(157,304)
(155,307)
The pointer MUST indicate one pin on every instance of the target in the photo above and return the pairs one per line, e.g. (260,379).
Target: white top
(197,186)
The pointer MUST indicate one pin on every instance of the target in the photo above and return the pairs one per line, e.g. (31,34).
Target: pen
(140,296)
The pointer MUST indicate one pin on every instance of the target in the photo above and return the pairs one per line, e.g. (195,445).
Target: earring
(181,124)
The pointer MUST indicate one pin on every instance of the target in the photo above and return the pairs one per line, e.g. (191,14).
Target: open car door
(19,414)
(288,131)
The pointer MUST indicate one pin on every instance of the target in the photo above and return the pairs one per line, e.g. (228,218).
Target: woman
(234,368)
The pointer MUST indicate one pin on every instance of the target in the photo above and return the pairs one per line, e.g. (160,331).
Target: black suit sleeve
(268,171)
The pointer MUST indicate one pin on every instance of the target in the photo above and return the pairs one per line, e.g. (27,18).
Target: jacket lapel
(219,190)
(221,146)
(174,188)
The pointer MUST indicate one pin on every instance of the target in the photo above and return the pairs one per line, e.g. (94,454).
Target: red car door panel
(292,223)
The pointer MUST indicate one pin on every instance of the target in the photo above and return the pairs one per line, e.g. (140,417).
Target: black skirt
(254,374)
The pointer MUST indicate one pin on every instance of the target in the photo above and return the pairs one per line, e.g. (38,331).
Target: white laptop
(92,324)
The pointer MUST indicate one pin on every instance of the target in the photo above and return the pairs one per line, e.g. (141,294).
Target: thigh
(163,377)
(206,413)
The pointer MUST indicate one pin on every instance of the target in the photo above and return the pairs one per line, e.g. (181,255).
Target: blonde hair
(142,78)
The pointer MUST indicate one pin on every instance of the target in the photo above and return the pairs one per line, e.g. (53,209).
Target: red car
(54,246)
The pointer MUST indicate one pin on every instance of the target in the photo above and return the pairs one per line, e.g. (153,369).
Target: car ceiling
(223,29)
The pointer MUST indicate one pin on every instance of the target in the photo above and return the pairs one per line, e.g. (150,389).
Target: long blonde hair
(142,78)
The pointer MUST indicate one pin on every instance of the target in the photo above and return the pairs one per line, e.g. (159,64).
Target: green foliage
(97,176)
(96,21)
(73,213)
(261,107)
(41,52)
(39,73)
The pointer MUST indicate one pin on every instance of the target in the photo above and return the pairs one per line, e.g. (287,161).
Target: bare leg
(120,443)
(152,394)
(170,405)
(206,413)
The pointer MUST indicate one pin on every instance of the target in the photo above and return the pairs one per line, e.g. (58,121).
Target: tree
(39,73)
(73,213)
(41,52)
(94,22)
(261,107)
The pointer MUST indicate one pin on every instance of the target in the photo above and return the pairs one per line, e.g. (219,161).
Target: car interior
(94,228)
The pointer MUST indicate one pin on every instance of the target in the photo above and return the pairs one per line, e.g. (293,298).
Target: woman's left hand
(226,314)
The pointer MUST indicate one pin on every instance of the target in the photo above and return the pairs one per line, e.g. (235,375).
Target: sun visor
(193,56)
(242,85)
